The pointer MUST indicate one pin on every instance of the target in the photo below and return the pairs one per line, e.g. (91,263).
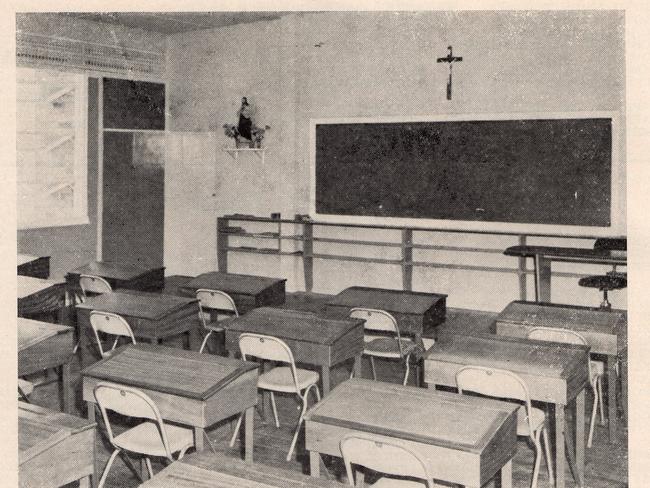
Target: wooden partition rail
(226,230)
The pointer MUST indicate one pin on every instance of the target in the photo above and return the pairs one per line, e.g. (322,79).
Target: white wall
(315,65)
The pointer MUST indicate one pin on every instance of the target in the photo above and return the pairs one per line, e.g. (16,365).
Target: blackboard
(526,171)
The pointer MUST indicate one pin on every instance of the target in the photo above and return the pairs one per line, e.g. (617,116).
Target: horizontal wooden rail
(406,260)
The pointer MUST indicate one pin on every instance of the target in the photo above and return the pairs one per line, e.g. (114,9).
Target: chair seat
(281,379)
(393,483)
(604,282)
(387,347)
(145,439)
(522,422)
(27,387)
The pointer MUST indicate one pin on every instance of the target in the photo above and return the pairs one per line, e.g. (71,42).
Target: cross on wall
(450,58)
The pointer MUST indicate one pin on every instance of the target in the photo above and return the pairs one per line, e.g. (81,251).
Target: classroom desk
(37,297)
(543,256)
(247,291)
(34,266)
(54,448)
(152,316)
(43,345)
(554,373)
(120,275)
(415,312)
(189,388)
(604,330)
(426,420)
(314,340)
(208,470)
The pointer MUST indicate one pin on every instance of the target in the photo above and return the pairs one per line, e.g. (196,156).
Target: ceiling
(175,22)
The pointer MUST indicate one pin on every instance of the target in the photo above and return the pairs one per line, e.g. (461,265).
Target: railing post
(307,255)
(222,244)
(521,272)
(407,259)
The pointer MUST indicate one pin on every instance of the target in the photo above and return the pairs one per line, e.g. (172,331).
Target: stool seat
(609,281)
(605,283)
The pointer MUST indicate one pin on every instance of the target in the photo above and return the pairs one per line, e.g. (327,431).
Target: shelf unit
(406,244)
(236,151)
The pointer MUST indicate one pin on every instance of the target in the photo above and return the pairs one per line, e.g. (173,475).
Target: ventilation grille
(39,49)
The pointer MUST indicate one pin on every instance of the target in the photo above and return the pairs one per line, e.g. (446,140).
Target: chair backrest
(498,383)
(378,320)
(557,334)
(268,348)
(110,323)
(382,455)
(94,284)
(131,403)
(214,300)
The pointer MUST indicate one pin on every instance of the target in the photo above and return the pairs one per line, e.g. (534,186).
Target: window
(51,148)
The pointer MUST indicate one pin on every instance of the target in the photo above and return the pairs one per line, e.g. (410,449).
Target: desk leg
(66,388)
(248,435)
(199,432)
(506,475)
(356,368)
(580,437)
(314,464)
(610,363)
(542,279)
(90,413)
(559,445)
(325,378)
(266,397)
(623,373)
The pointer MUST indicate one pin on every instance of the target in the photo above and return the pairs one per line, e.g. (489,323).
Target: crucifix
(450,58)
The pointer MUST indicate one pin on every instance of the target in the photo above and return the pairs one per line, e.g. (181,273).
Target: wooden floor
(606,463)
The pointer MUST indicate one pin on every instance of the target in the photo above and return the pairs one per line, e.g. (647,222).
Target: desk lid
(214,470)
(111,270)
(26,258)
(41,428)
(519,355)
(144,305)
(430,417)
(28,286)
(169,370)
(399,301)
(232,283)
(31,332)
(293,324)
(564,316)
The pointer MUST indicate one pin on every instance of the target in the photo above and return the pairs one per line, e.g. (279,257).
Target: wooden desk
(43,345)
(152,316)
(312,339)
(415,312)
(554,373)
(189,388)
(247,291)
(426,420)
(54,448)
(38,297)
(604,330)
(543,256)
(120,275)
(34,266)
(208,470)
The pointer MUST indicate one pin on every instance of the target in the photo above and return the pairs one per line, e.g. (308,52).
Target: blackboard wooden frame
(617,224)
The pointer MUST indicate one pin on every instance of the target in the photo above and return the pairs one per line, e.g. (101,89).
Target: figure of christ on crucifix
(450,59)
